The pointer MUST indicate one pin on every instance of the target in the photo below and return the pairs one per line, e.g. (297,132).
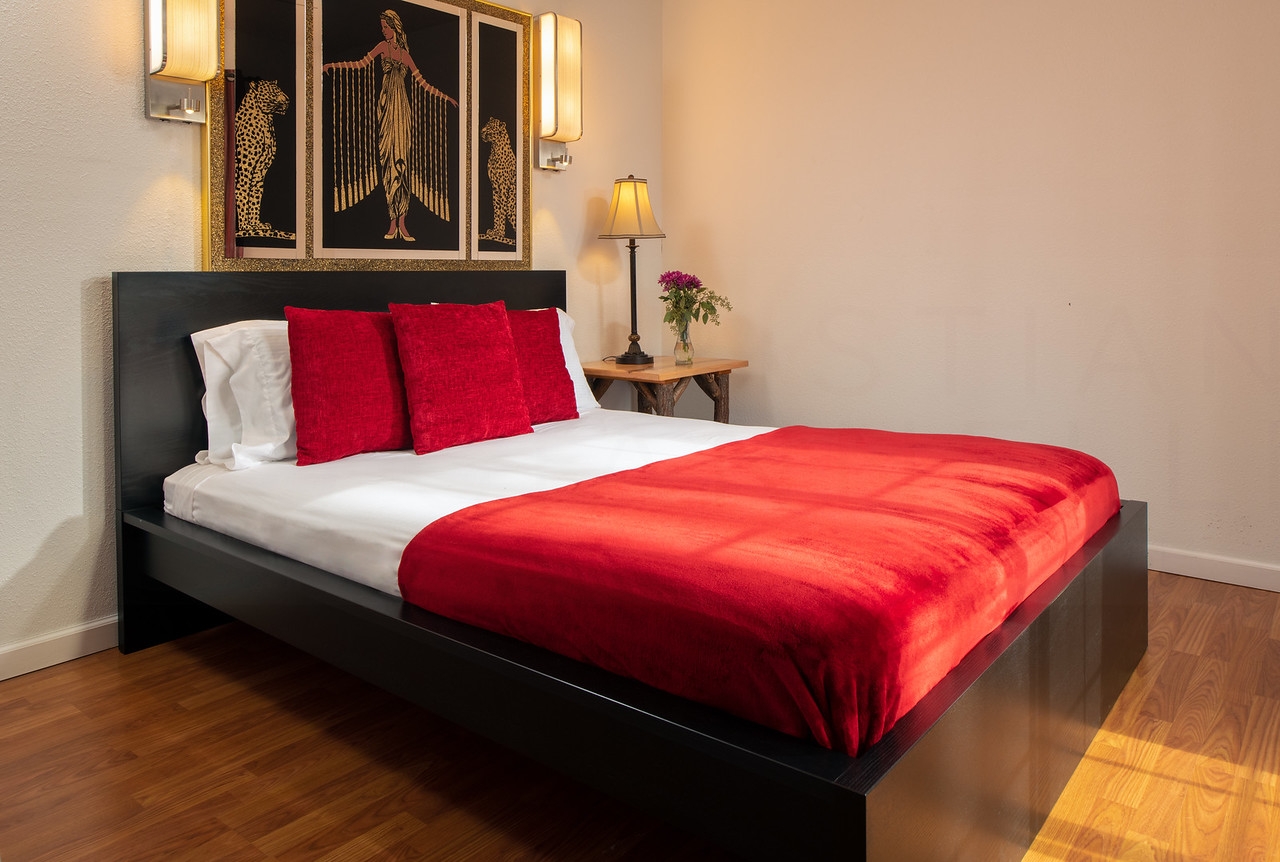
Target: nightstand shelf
(660,385)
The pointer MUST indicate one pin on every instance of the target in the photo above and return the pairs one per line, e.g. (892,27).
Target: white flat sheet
(354,517)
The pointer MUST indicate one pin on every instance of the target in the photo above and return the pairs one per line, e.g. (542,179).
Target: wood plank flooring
(1187,766)
(232,746)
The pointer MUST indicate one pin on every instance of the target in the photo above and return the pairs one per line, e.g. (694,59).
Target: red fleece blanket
(818,581)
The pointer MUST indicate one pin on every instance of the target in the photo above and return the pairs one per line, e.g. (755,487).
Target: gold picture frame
(311,166)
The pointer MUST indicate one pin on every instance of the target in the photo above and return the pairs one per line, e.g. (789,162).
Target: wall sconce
(557,55)
(182,48)
(631,218)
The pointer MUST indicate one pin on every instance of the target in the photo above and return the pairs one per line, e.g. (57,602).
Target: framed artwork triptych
(370,134)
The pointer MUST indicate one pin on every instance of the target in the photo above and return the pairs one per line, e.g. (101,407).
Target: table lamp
(631,218)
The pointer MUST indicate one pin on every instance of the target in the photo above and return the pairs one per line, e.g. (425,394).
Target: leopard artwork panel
(502,181)
(255,140)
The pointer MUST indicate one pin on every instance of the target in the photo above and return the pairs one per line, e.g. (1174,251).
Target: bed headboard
(159,425)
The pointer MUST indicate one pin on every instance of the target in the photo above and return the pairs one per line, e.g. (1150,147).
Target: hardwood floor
(232,746)
(1187,765)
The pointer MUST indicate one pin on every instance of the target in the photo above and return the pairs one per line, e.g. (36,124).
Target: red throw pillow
(460,374)
(348,389)
(548,390)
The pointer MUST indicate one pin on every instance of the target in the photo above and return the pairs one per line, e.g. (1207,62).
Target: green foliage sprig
(687,301)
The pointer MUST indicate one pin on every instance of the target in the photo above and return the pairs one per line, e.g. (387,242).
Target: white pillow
(581,389)
(248,402)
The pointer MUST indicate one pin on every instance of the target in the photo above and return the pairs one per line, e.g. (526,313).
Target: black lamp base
(639,357)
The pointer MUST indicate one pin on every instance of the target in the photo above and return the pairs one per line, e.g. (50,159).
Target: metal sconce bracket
(185,101)
(553,155)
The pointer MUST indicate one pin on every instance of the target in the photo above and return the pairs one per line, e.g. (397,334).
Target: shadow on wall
(74,570)
(603,265)
(69,581)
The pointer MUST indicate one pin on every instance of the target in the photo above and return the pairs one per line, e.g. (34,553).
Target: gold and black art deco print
(265,114)
(497,154)
(392,108)
(394,165)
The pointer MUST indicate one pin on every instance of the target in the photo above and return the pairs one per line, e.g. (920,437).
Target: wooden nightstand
(660,385)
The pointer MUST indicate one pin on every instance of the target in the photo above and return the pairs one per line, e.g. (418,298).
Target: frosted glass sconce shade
(182,46)
(557,48)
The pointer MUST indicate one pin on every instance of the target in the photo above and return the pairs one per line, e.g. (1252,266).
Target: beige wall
(1056,221)
(622,135)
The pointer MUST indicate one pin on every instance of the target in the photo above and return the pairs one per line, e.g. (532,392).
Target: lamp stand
(634,355)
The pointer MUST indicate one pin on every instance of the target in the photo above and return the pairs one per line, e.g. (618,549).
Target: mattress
(355,516)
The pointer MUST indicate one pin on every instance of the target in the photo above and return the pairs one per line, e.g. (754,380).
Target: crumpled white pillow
(581,389)
(248,402)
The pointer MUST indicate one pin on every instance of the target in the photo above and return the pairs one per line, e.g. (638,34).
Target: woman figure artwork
(409,150)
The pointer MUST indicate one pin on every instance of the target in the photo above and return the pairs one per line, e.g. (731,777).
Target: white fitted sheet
(353,517)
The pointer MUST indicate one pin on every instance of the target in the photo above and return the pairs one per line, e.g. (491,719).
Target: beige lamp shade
(630,214)
(182,39)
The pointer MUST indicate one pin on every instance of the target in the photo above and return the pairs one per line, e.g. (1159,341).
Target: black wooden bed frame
(970,773)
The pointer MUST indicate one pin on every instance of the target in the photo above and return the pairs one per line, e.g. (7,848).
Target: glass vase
(684,347)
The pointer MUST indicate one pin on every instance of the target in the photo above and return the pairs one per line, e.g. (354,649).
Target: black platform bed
(970,773)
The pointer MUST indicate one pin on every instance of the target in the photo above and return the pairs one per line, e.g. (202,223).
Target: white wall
(1052,221)
(89,186)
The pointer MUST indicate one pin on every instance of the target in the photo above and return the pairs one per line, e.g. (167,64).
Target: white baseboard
(57,647)
(1244,573)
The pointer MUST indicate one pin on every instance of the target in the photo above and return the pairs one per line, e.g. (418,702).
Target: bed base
(970,773)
